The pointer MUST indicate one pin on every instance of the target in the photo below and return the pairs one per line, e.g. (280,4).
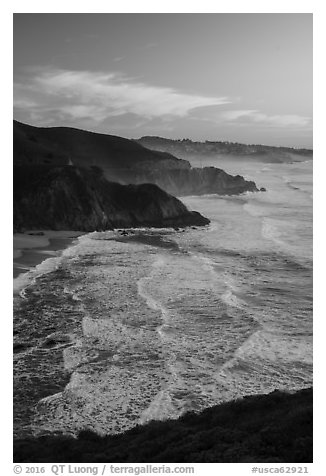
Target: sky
(236,77)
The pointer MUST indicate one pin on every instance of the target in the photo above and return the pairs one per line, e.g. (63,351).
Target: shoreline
(31,248)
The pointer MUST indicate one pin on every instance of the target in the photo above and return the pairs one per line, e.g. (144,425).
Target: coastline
(35,246)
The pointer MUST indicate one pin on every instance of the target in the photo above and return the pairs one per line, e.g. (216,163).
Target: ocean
(122,329)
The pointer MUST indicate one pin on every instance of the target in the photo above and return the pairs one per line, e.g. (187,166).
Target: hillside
(187,148)
(64,145)
(121,160)
(274,428)
(76,198)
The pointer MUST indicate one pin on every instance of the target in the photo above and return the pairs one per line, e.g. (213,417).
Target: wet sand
(29,250)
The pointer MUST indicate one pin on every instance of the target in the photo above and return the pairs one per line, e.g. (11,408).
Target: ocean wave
(271,231)
(255,209)
(161,332)
(160,408)
(288,238)
(154,303)
(261,365)
(231,299)
(298,186)
(264,347)
(24,280)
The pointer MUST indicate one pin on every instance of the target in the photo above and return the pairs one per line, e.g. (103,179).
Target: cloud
(58,94)
(150,45)
(250,116)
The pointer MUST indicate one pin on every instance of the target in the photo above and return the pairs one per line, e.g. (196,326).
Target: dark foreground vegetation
(264,428)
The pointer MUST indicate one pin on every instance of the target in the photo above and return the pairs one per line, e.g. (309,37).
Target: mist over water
(124,329)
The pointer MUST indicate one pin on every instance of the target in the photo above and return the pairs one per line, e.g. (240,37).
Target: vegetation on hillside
(264,428)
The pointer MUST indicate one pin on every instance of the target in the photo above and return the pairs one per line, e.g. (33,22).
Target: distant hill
(65,145)
(122,160)
(186,148)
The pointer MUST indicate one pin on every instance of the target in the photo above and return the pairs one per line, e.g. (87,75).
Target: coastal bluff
(77,198)
(121,160)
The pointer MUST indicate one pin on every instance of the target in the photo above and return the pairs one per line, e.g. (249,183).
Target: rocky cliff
(76,198)
(121,160)
(197,181)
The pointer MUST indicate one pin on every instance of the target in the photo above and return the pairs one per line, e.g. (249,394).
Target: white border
(138,6)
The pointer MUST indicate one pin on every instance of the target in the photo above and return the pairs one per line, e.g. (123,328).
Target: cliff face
(194,181)
(186,148)
(71,198)
(121,160)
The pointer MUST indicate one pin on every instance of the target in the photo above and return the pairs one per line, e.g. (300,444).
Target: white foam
(160,408)
(114,375)
(264,346)
(27,279)
(50,399)
(231,299)
(206,263)
(151,302)
(82,245)
(281,234)
(271,232)
(255,210)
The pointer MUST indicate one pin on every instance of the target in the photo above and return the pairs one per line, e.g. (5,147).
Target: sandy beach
(32,247)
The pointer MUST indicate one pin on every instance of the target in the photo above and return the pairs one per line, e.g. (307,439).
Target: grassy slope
(59,145)
(265,428)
